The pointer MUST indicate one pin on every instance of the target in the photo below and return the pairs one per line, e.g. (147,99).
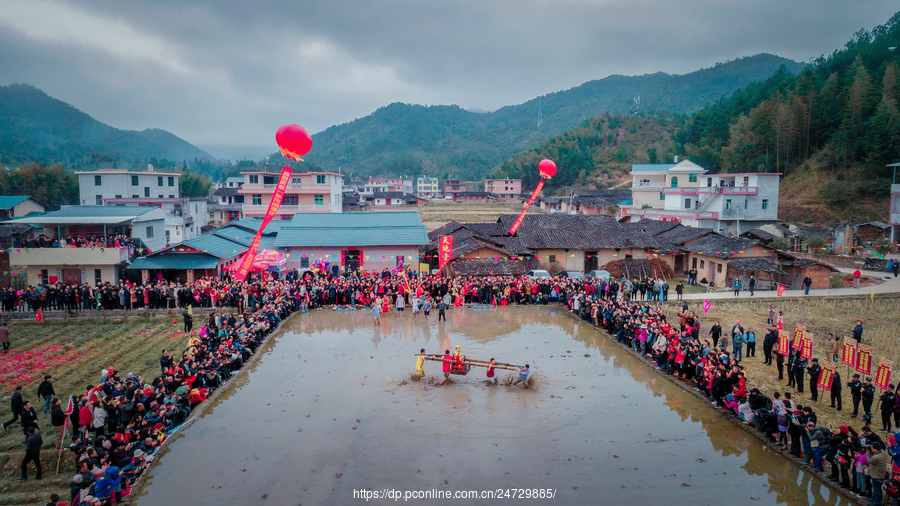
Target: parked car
(599,274)
(572,274)
(537,273)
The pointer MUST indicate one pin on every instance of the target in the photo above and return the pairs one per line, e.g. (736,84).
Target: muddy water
(326,412)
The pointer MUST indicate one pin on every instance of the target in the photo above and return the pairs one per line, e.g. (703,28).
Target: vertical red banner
(784,342)
(826,376)
(445,250)
(864,359)
(780,290)
(883,374)
(277,197)
(848,352)
(806,346)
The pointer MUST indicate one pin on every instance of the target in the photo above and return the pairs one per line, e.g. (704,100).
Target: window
(662,196)
(268,179)
(45,280)
(692,178)
(160,196)
(320,178)
(552,259)
(727,203)
(99,200)
(118,196)
(97,181)
(319,199)
(687,203)
(296,180)
(745,203)
(746,181)
(674,182)
(702,263)
(304,262)
(168,234)
(291,200)
(98,276)
(719,268)
(171,180)
(196,208)
(159,181)
(254,179)
(135,196)
(134,181)
(765,203)
(170,196)
(709,182)
(149,232)
(257,199)
(146,191)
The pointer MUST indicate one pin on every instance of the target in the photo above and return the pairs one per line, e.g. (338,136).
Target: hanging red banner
(883,374)
(806,345)
(826,376)
(864,359)
(848,352)
(277,197)
(780,290)
(784,342)
(445,250)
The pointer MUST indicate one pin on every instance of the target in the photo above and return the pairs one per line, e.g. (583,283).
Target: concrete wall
(158,240)
(372,256)
(119,183)
(27,206)
(108,273)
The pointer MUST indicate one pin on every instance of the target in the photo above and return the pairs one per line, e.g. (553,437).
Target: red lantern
(293,140)
(547,168)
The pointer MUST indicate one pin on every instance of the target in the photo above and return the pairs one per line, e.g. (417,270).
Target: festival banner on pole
(798,336)
(883,374)
(864,359)
(826,376)
(518,222)
(848,352)
(277,197)
(445,250)
(806,345)
(784,340)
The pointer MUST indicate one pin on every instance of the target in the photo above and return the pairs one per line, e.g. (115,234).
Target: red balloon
(293,140)
(547,168)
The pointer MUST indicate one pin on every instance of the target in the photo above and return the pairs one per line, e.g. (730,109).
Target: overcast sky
(231,72)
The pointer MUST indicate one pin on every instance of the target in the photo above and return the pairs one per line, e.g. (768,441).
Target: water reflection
(326,411)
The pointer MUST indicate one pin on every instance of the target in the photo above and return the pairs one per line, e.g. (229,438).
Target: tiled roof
(226,192)
(674,238)
(755,264)
(482,267)
(718,246)
(218,246)
(653,227)
(557,221)
(760,234)
(175,261)
(609,237)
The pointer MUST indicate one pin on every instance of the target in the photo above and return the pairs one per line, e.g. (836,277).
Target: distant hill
(403,139)
(35,127)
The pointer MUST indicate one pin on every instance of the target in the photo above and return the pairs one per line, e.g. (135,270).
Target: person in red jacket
(448,363)
(85,417)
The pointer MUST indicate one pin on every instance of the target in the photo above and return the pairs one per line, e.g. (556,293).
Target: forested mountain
(830,129)
(35,127)
(448,141)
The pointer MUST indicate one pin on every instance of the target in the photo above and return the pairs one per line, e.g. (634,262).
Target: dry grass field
(821,316)
(74,352)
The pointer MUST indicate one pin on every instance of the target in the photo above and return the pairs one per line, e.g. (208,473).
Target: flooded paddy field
(331,409)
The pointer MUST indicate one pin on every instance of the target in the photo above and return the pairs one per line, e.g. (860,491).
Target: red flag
(69,408)
(780,290)
(445,246)
(706,305)
(39,316)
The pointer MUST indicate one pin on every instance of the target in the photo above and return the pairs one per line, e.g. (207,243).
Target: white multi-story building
(375,185)
(96,185)
(727,203)
(428,187)
(230,182)
(185,218)
(895,207)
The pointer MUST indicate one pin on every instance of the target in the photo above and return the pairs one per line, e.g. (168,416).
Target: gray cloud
(217,72)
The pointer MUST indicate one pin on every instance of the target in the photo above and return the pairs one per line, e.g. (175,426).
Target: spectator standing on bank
(45,391)
(4,338)
(16,404)
(33,443)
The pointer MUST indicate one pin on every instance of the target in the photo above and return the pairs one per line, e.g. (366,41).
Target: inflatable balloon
(547,168)
(294,141)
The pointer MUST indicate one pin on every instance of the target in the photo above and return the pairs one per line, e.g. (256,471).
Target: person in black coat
(29,417)
(16,405)
(33,443)
(58,421)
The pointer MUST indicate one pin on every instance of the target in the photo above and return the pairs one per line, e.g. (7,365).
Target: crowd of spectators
(89,241)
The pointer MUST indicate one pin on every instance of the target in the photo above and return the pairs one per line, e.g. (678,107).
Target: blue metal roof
(175,261)
(235,234)
(651,167)
(215,245)
(353,229)
(253,225)
(11,201)
(627,202)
